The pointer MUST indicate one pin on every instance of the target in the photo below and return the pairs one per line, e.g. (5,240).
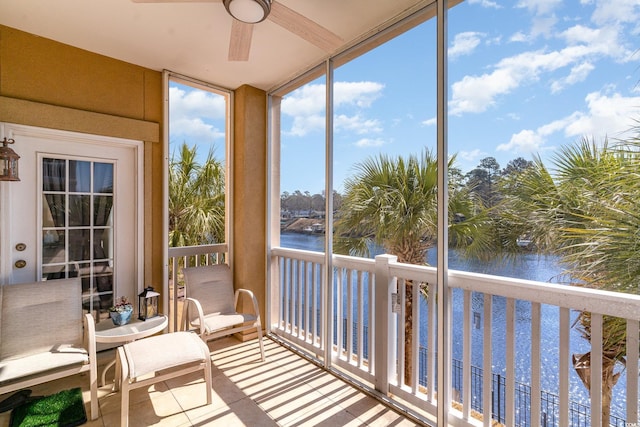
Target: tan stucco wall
(250,191)
(48,84)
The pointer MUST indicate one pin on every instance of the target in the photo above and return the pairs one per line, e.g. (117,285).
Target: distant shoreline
(303,225)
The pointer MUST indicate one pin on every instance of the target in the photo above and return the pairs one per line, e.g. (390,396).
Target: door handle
(20,263)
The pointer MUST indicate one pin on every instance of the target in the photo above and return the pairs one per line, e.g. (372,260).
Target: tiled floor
(285,390)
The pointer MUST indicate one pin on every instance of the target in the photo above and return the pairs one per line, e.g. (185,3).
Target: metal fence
(579,413)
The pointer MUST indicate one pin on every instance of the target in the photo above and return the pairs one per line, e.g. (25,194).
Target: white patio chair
(42,337)
(210,305)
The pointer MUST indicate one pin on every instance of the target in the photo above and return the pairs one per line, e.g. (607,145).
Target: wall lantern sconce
(148,304)
(8,162)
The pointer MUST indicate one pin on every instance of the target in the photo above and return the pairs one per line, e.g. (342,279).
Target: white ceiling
(192,38)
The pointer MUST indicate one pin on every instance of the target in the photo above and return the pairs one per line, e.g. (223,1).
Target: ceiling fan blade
(240,41)
(304,27)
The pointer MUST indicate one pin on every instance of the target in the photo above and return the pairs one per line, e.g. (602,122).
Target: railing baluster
(174,278)
(432,337)
(338,314)
(401,298)
(302,268)
(415,338)
(535,363)
(466,356)
(295,271)
(360,323)
(596,371)
(349,328)
(308,276)
(632,366)
(287,293)
(510,389)
(487,361)
(325,312)
(314,304)
(372,325)
(563,366)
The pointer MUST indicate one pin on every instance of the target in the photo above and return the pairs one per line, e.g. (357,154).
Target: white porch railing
(361,326)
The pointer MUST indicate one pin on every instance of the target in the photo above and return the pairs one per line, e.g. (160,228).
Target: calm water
(525,266)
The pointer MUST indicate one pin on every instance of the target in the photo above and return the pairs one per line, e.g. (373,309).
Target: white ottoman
(165,356)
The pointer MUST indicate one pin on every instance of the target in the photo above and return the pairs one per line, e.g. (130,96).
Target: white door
(75,212)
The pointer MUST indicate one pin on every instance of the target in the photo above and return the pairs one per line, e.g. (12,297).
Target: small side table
(107,332)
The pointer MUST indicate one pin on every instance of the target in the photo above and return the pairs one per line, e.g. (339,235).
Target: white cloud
(526,141)
(368,142)
(539,7)
(464,43)
(302,125)
(543,20)
(616,11)
(486,3)
(543,26)
(476,94)
(609,115)
(430,122)
(189,113)
(604,41)
(305,101)
(519,37)
(194,130)
(472,155)
(307,107)
(195,103)
(578,74)
(356,124)
(360,94)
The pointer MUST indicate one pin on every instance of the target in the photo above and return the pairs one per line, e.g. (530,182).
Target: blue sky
(525,78)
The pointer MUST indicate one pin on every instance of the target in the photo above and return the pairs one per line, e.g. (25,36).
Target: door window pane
(79,245)
(79,177)
(54,173)
(102,210)
(102,178)
(53,210)
(79,211)
(53,246)
(77,228)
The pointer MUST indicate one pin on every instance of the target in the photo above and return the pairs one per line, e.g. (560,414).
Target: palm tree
(392,202)
(196,199)
(587,214)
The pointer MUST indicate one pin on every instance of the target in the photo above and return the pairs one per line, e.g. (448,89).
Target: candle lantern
(8,162)
(148,303)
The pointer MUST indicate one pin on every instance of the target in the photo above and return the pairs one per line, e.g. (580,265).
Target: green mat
(63,409)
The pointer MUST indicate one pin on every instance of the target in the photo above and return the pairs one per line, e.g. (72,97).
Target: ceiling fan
(246,13)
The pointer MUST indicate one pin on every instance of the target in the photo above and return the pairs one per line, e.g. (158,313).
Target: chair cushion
(214,323)
(163,352)
(212,286)
(60,357)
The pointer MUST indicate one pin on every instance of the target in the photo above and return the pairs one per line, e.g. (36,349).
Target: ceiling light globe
(249,11)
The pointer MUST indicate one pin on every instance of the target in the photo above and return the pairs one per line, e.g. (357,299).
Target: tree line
(483,178)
